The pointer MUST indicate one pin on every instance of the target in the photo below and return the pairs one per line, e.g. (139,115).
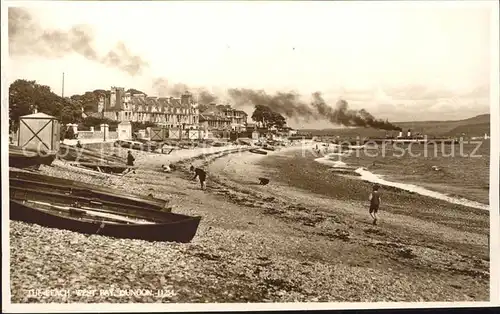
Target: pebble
(45,258)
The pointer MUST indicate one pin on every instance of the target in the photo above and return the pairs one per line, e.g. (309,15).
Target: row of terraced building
(171,112)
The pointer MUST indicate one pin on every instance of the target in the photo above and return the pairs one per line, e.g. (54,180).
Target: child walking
(374,203)
(130,159)
(201,174)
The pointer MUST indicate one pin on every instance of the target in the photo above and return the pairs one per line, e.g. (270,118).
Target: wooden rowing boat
(258,151)
(137,145)
(164,226)
(92,159)
(40,182)
(81,214)
(19,158)
(104,167)
(73,153)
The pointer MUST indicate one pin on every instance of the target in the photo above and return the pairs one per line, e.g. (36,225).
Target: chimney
(409,133)
(400,134)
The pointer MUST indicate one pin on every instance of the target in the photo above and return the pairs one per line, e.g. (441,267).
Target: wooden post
(62,107)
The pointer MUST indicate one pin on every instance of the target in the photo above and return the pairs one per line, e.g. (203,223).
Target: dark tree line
(267,117)
(26,96)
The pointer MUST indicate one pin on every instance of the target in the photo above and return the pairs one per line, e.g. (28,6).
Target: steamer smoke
(285,103)
(290,105)
(341,114)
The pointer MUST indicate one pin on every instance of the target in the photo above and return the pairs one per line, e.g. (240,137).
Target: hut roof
(38,115)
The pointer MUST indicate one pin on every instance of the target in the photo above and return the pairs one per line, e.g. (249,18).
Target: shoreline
(254,244)
(420,176)
(418,188)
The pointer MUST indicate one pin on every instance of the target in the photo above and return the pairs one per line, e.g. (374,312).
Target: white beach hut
(39,131)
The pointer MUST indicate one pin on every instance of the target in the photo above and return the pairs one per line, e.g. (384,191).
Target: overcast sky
(398,60)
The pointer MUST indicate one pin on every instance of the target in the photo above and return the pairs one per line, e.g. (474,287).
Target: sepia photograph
(213,154)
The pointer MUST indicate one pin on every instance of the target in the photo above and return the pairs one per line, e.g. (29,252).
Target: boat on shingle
(83,154)
(101,211)
(41,182)
(258,151)
(25,158)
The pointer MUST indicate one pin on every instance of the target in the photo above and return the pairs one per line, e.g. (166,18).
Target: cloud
(27,38)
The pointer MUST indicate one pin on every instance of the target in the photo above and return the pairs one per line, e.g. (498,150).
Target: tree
(88,101)
(20,101)
(26,96)
(95,121)
(261,114)
(277,120)
(268,118)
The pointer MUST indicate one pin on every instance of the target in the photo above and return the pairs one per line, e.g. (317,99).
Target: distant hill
(475,126)
(478,129)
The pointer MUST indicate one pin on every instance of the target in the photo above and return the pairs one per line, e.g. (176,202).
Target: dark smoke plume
(288,104)
(178,89)
(348,117)
(161,87)
(165,89)
(27,37)
(205,97)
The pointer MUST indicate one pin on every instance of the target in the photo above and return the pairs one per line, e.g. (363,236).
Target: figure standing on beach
(130,159)
(201,174)
(374,203)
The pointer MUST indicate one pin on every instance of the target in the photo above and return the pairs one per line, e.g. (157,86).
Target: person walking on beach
(374,203)
(130,163)
(201,174)
(130,159)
